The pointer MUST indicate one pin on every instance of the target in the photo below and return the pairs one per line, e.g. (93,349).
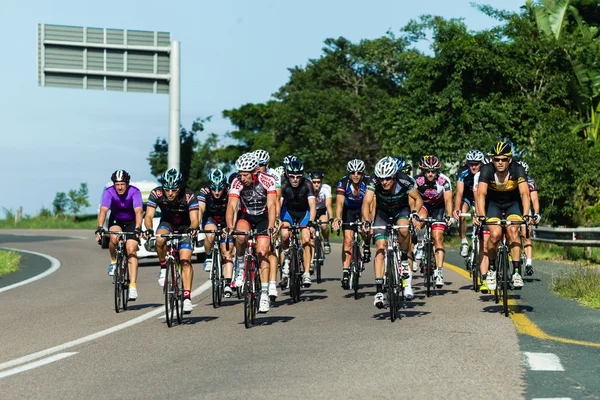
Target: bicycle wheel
(475,265)
(293,272)
(217,260)
(318,257)
(391,285)
(428,266)
(355,270)
(247,304)
(178,293)
(299,272)
(125,282)
(215,282)
(257,290)
(117,283)
(505,279)
(170,292)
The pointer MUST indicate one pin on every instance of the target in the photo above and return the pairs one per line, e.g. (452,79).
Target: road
(62,339)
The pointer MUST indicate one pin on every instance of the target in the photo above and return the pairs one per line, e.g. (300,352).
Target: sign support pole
(174,107)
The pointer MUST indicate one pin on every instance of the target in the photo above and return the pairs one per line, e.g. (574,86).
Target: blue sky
(232,52)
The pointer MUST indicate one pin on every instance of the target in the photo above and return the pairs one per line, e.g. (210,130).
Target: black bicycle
(319,252)
(393,278)
(173,287)
(296,255)
(216,273)
(428,264)
(121,272)
(251,289)
(472,258)
(356,261)
(503,264)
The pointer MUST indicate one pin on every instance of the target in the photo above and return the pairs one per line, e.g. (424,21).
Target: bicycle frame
(356,263)
(173,287)
(251,288)
(121,272)
(428,268)
(296,260)
(472,259)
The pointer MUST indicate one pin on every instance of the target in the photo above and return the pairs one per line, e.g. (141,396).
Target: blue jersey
(344,188)
(464,175)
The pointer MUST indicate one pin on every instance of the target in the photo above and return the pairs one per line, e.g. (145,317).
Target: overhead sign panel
(104,59)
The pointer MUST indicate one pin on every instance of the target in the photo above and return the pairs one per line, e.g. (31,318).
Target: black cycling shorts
(184,242)
(321,212)
(351,215)
(381,219)
(496,211)
(126,226)
(258,222)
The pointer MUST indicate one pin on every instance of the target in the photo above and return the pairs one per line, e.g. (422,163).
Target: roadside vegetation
(9,262)
(581,284)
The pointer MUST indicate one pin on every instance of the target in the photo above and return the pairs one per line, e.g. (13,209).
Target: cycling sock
(240,261)
(227,281)
(464,240)
(483,277)
(529,261)
(163,263)
(516,267)
(404,255)
(113,261)
(186,294)
(379,284)
(272,283)
(264,287)
(492,264)
(132,285)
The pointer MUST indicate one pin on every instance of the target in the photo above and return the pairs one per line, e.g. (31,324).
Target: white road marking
(96,335)
(542,361)
(551,398)
(35,364)
(54,265)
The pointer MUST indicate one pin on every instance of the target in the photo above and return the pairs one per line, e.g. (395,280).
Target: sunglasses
(429,171)
(295,176)
(504,159)
(262,164)
(473,164)
(355,173)
(389,178)
(316,182)
(217,188)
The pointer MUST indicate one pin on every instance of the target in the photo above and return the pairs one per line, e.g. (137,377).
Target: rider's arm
(278,201)
(535,200)
(448,202)
(312,204)
(460,189)
(201,209)
(328,207)
(138,209)
(417,199)
(150,211)
(525,198)
(480,198)
(102,215)
(339,205)
(271,208)
(367,206)
(233,203)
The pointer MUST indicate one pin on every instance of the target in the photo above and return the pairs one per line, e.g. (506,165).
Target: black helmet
(120,175)
(316,174)
(295,167)
(502,149)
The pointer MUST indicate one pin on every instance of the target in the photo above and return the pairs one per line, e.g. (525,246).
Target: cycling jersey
(433,192)
(503,192)
(392,202)
(177,212)
(275,175)
(215,208)
(531,184)
(296,198)
(122,207)
(322,196)
(344,188)
(465,175)
(253,198)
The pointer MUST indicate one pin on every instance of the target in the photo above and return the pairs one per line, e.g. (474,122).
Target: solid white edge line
(54,265)
(35,364)
(96,335)
(543,361)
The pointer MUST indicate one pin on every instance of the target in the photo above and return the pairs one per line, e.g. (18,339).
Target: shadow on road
(383,316)
(265,321)
(196,320)
(138,306)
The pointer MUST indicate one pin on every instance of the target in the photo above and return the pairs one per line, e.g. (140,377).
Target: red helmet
(429,162)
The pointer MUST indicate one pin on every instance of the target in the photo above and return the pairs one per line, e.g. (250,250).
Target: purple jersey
(122,207)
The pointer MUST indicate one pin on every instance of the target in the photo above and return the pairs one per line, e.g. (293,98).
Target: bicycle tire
(125,282)
(355,270)
(505,278)
(220,288)
(391,292)
(257,290)
(428,266)
(214,283)
(475,266)
(116,282)
(169,293)
(318,256)
(292,275)
(299,272)
(247,304)
(178,294)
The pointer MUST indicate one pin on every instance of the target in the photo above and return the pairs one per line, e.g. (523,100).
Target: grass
(51,222)
(9,262)
(581,284)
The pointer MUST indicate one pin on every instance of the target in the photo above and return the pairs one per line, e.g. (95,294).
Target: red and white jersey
(433,192)
(253,198)
(324,193)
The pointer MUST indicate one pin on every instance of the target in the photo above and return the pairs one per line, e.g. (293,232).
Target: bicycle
(393,279)
(173,287)
(319,253)
(251,288)
(121,272)
(356,260)
(502,263)
(216,273)
(472,258)
(296,255)
(428,268)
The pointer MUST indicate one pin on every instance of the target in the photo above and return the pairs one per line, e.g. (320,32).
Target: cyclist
(502,190)
(351,191)
(298,205)
(125,204)
(264,158)
(465,197)
(212,201)
(253,199)
(535,202)
(387,197)
(324,210)
(436,190)
(179,207)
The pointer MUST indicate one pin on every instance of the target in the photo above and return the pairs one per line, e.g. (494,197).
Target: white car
(148,249)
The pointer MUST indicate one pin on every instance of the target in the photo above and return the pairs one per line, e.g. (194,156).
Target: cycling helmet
(216,180)
(400,161)
(525,166)
(474,156)
(355,165)
(407,169)
(486,160)
(429,162)
(316,174)
(502,149)
(172,179)
(262,156)
(295,167)
(386,168)
(280,170)
(120,175)
(246,162)
(286,160)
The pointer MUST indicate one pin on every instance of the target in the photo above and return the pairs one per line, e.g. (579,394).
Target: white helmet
(280,170)
(262,156)
(355,165)
(525,165)
(246,162)
(475,156)
(386,168)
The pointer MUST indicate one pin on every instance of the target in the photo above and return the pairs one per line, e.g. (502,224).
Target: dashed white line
(96,335)
(542,361)
(54,265)
(35,364)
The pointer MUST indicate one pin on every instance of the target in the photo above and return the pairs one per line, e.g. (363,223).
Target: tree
(60,204)
(78,199)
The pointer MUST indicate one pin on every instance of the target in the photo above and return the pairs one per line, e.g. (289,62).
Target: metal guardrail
(579,237)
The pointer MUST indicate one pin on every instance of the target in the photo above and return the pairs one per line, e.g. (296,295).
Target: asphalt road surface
(61,338)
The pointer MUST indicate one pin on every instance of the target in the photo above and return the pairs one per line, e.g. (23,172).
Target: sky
(233,52)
